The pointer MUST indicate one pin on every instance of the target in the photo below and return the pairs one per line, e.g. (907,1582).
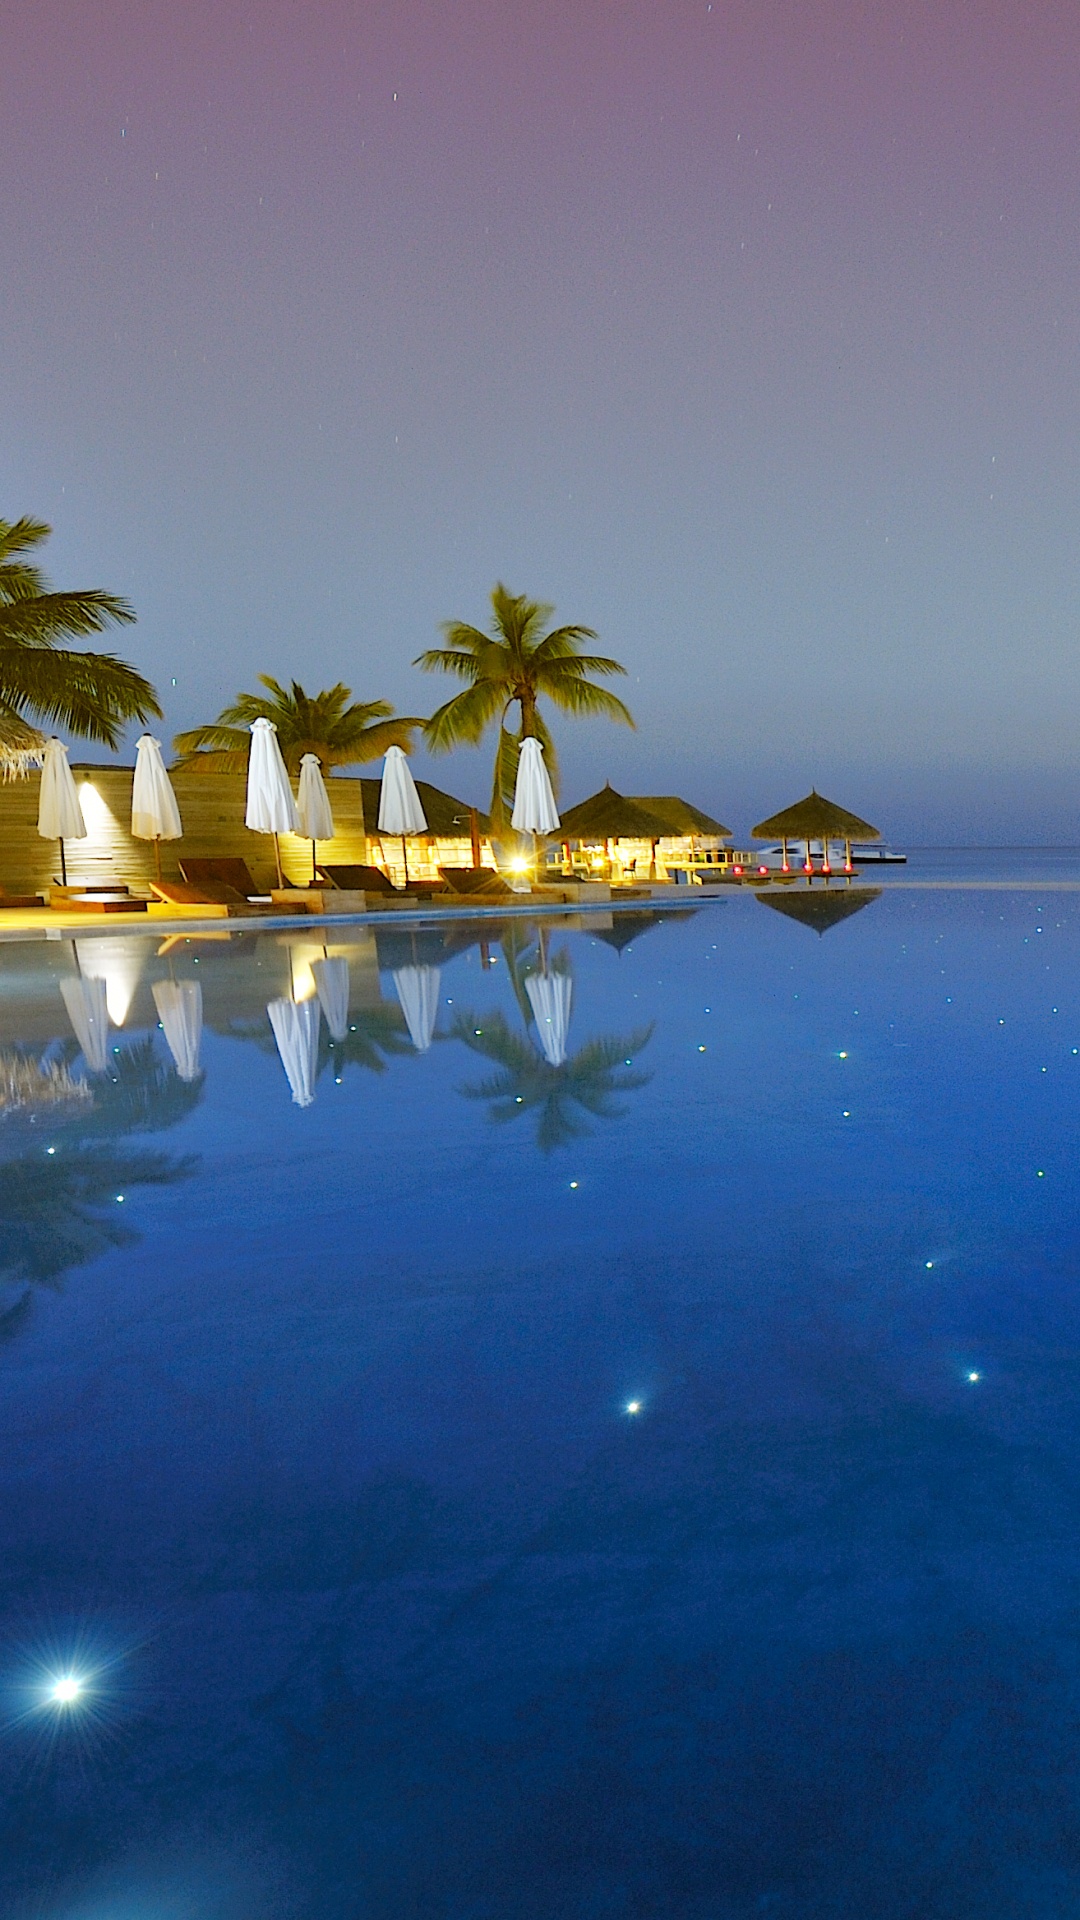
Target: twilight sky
(745,333)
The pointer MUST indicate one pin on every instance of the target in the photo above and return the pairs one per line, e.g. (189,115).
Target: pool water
(602,1438)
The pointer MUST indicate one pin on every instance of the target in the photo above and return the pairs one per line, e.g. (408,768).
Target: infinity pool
(549,1427)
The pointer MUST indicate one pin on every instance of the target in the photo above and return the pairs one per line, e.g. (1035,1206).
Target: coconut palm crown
(90,695)
(520,662)
(320,723)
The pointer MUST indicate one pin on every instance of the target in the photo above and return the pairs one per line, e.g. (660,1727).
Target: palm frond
(90,694)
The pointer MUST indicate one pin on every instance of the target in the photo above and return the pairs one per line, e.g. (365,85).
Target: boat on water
(870,856)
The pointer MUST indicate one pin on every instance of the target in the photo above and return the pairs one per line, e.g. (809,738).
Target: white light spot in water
(633,1406)
(120,1199)
(1041,1175)
(843,1056)
(929,1264)
(573,1184)
(53,1149)
(65,1691)
(846,1115)
(974,1376)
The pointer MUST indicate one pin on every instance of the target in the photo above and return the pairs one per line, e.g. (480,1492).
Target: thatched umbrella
(816,818)
(820,910)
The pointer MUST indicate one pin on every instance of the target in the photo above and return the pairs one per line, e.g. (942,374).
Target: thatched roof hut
(680,817)
(815,818)
(609,815)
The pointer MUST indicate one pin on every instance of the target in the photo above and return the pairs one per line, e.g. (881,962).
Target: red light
(763,869)
(736,869)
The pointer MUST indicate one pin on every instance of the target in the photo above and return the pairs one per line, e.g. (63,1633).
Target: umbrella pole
(157,853)
(277,857)
(314,868)
(405,858)
(63,866)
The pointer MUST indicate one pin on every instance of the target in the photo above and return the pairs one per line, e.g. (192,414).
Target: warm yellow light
(519,866)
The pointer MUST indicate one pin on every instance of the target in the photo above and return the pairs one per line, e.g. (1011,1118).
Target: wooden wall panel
(212,810)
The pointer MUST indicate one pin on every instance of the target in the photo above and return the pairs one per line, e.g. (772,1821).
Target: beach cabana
(665,821)
(816,818)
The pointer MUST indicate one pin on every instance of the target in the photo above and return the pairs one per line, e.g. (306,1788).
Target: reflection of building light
(119,963)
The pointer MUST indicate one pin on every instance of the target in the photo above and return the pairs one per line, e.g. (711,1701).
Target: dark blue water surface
(319,1471)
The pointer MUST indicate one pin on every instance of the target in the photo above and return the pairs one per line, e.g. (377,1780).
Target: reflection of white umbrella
(118,962)
(270,805)
(313,805)
(89,1015)
(154,813)
(549,997)
(331,979)
(296,1030)
(534,802)
(400,811)
(418,991)
(60,816)
(179,1006)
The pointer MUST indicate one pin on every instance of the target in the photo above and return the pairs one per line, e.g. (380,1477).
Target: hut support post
(808,864)
(785,868)
(848,868)
(825,867)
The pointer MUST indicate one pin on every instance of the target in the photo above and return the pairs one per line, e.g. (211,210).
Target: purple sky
(746,334)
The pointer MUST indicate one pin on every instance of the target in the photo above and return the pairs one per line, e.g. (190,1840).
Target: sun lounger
(358,879)
(469,881)
(19,899)
(214,901)
(232,872)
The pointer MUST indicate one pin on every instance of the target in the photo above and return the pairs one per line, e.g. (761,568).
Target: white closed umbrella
(179,1008)
(88,1011)
(60,816)
(534,803)
(154,813)
(400,811)
(296,1030)
(270,804)
(331,977)
(549,997)
(417,989)
(313,805)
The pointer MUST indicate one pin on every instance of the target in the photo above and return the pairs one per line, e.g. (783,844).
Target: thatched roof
(820,910)
(815,817)
(447,818)
(609,815)
(679,816)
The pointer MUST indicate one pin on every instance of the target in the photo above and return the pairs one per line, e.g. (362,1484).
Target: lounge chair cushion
(227,870)
(359,879)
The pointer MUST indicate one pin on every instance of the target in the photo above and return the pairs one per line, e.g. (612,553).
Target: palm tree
(320,723)
(91,695)
(560,1097)
(517,663)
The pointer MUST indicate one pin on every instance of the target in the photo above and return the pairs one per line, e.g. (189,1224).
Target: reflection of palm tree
(59,1207)
(588,1083)
(139,1093)
(62,1210)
